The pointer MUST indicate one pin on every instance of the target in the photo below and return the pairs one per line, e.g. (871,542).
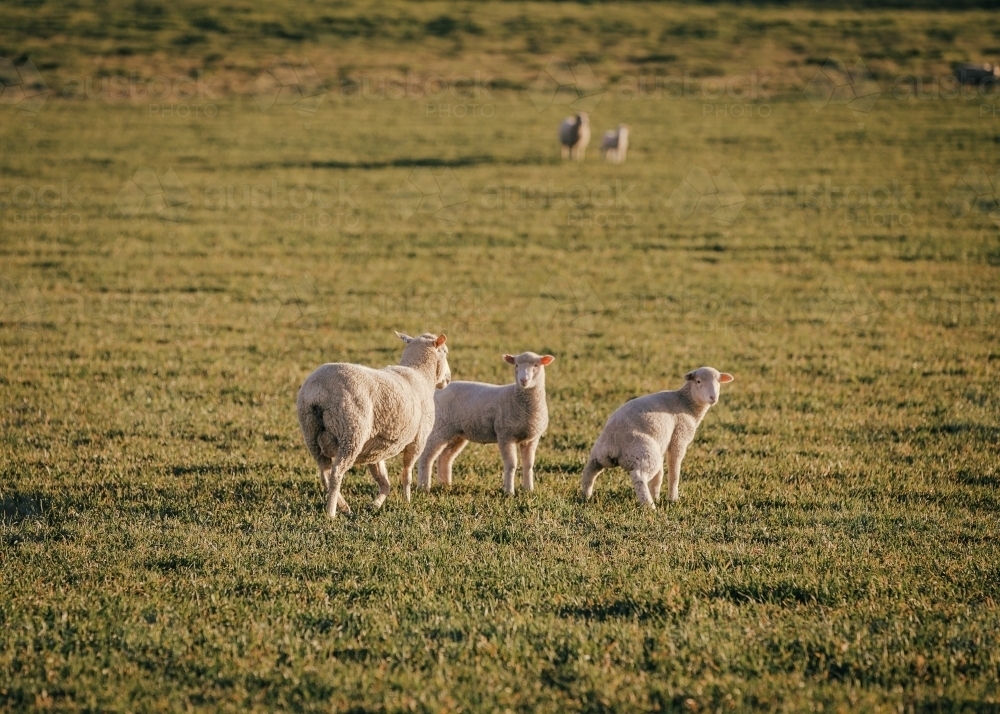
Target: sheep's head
(706,383)
(427,349)
(529,368)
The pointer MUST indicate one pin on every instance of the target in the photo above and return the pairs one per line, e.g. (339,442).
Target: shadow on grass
(623,609)
(412,163)
(16,508)
(780,593)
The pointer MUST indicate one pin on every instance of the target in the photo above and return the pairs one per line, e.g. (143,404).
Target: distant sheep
(643,431)
(615,144)
(977,73)
(513,416)
(574,135)
(352,414)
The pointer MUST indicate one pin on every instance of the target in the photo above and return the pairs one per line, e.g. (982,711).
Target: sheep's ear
(405,338)
(689,376)
(440,340)
(726,378)
(547,360)
(509,359)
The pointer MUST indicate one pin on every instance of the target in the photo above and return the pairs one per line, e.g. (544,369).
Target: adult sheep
(574,135)
(351,414)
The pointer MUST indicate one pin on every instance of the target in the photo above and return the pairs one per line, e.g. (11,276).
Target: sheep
(574,135)
(615,144)
(513,416)
(977,73)
(352,414)
(643,431)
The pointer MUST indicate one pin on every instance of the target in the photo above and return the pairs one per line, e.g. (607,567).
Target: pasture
(162,537)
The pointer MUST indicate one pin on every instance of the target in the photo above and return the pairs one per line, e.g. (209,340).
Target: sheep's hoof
(379,500)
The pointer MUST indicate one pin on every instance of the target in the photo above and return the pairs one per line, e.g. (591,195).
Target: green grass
(162,537)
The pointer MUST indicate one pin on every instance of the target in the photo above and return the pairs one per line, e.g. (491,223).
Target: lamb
(513,416)
(352,414)
(574,135)
(643,431)
(615,144)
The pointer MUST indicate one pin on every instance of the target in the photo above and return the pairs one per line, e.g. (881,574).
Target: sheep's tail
(311,421)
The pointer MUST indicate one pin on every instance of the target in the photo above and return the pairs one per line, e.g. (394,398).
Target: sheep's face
(529,368)
(419,349)
(706,384)
(443,370)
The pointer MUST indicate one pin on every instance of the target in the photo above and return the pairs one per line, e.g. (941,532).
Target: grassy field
(162,537)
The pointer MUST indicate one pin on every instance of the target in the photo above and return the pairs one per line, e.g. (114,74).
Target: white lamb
(514,416)
(615,144)
(574,135)
(643,431)
(352,414)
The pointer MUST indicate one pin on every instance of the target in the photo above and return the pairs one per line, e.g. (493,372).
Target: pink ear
(508,359)
(440,340)
(547,360)
(726,378)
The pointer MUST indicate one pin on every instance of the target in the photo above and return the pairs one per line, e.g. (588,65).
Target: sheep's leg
(451,452)
(675,456)
(325,464)
(381,475)
(655,484)
(508,453)
(565,151)
(410,454)
(642,488)
(528,464)
(425,465)
(590,473)
(325,469)
(341,464)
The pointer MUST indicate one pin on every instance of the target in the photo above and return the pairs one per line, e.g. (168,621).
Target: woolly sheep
(643,431)
(352,414)
(574,135)
(513,416)
(615,144)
